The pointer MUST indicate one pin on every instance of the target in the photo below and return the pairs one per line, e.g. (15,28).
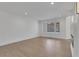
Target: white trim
(71,49)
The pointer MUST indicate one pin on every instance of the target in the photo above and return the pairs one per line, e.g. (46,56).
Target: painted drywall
(64,28)
(68,27)
(16,28)
(76,36)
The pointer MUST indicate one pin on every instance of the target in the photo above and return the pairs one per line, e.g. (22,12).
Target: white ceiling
(38,10)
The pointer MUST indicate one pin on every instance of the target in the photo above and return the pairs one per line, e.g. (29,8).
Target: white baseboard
(14,41)
(54,37)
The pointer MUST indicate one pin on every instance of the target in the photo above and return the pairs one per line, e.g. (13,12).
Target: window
(57,27)
(50,27)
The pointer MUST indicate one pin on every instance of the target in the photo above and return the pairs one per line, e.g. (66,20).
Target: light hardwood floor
(37,47)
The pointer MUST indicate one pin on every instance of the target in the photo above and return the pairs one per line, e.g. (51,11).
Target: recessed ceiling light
(52,3)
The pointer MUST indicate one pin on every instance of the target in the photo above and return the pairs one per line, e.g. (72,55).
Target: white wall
(16,28)
(76,36)
(68,27)
(64,28)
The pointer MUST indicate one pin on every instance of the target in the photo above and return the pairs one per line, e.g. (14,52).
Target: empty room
(36,29)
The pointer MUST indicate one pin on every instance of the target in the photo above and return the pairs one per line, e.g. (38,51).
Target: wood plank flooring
(37,47)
